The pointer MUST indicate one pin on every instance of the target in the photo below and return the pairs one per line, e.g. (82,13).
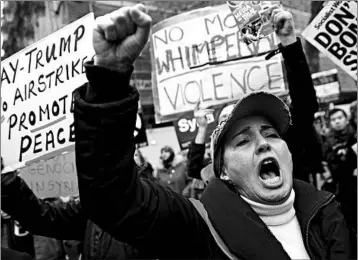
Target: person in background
(336,147)
(342,163)
(197,160)
(13,235)
(320,126)
(171,171)
(59,220)
(145,169)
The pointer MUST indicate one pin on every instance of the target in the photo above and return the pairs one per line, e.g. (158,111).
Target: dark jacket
(23,241)
(161,222)
(342,161)
(60,220)
(340,166)
(9,254)
(301,138)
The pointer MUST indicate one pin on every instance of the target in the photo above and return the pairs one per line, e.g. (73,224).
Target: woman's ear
(224,176)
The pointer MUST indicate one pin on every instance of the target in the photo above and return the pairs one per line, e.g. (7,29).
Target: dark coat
(59,220)
(9,254)
(20,243)
(342,167)
(161,222)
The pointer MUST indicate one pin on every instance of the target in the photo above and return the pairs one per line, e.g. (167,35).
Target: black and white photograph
(178,130)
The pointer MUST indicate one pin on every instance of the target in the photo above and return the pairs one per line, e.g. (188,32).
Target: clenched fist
(283,24)
(120,36)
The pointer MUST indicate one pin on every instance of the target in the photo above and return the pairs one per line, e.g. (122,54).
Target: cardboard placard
(327,85)
(36,94)
(334,33)
(208,62)
(52,178)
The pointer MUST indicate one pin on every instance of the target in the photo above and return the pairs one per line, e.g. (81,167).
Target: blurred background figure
(145,168)
(321,126)
(172,172)
(342,163)
(13,236)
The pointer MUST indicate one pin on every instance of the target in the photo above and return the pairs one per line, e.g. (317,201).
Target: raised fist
(200,114)
(282,22)
(119,37)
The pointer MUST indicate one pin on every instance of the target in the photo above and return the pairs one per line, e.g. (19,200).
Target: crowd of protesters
(255,194)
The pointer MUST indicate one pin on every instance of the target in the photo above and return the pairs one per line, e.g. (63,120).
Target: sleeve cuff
(106,84)
(197,147)
(292,51)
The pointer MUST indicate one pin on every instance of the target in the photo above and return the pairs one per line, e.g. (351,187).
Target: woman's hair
(170,150)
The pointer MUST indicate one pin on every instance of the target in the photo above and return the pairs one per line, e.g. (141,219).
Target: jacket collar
(240,228)
(306,208)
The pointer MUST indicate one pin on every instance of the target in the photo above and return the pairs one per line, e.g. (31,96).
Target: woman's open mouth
(269,172)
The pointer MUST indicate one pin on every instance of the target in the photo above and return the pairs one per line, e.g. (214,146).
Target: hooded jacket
(161,222)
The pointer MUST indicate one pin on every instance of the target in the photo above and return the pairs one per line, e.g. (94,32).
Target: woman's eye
(273,135)
(242,142)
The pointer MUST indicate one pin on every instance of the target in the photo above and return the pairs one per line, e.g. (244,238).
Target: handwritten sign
(334,33)
(36,94)
(327,85)
(52,178)
(207,62)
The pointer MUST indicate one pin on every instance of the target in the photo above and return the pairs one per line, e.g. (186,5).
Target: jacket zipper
(309,221)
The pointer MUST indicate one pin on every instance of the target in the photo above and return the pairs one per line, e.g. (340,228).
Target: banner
(36,94)
(327,85)
(334,33)
(200,55)
(186,128)
(52,178)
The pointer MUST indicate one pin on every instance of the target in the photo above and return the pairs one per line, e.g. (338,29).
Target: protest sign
(186,128)
(253,17)
(36,94)
(327,85)
(52,178)
(200,56)
(334,33)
